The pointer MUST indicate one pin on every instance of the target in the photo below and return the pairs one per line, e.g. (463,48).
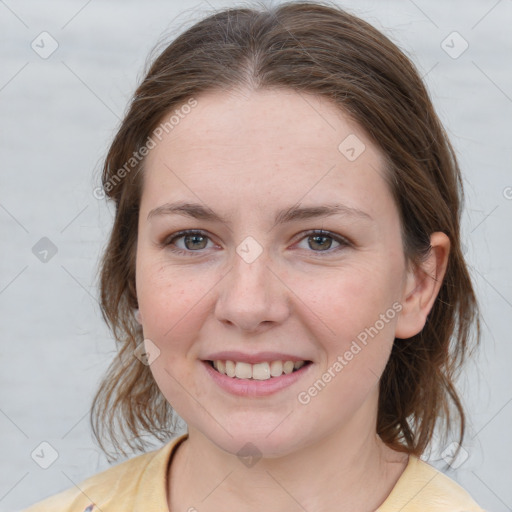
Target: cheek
(171,310)
(361,309)
(355,298)
(170,300)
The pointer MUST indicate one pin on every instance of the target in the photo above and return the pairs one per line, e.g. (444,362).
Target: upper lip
(259,357)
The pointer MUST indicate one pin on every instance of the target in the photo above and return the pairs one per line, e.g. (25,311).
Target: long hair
(317,48)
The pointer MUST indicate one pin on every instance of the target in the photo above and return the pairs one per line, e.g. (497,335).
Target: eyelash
(167,242)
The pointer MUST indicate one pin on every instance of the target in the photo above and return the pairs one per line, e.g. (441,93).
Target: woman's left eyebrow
(290,214)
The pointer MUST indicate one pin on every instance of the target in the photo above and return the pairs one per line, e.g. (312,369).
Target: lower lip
(255,388)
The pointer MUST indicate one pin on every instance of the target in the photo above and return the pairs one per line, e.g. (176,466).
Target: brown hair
(317,48)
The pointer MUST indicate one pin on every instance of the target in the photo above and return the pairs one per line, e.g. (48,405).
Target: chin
(256,442)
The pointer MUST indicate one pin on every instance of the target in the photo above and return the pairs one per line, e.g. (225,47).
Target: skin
(246,155)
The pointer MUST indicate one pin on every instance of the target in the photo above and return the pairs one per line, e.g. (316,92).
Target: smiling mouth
(258,371)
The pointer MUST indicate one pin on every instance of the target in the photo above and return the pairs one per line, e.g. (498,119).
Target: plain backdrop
(58,114)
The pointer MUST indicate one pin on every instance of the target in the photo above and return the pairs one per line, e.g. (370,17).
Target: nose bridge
(251,294)
(250,280)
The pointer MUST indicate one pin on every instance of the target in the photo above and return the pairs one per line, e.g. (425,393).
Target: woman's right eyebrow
(290,214)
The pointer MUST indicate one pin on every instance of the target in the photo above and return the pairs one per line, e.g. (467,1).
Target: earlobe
(422,287)
(137,315)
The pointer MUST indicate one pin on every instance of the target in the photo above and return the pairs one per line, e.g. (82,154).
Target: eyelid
(340,239)
(343,241)
(186,232)
(323,232)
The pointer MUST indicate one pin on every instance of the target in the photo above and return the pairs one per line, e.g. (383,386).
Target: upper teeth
(258,371)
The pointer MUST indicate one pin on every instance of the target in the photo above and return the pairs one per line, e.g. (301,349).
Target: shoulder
(116,487)
(422,487)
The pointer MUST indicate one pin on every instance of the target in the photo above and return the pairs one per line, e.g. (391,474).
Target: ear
(421,287)
(137,315)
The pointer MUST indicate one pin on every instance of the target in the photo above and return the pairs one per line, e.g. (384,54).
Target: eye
(196,240)
(193,240)
(322,240)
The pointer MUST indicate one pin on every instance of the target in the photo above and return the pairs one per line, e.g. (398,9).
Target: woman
(285,272)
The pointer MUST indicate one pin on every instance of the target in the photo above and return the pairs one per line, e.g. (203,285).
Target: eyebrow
(293,213)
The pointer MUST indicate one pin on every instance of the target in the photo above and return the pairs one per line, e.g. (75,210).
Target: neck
(349,469)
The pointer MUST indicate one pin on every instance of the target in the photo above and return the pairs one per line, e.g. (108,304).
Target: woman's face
(251,173)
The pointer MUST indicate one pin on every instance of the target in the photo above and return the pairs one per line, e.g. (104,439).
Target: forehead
(266,145)
(263,119)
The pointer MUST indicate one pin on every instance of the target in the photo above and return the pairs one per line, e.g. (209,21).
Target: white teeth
(258,371)
(288,367)
(230,368)
(243,370)
(261,371)
(276,368)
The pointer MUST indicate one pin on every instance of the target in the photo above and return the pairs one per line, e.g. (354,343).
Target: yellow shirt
(140,485)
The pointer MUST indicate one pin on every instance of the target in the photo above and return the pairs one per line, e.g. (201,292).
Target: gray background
(57,117)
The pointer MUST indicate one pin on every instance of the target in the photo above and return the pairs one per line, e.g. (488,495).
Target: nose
(252,296)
